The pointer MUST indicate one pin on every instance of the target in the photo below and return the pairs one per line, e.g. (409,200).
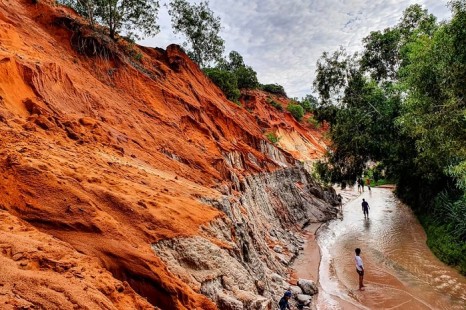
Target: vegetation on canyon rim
(401,102)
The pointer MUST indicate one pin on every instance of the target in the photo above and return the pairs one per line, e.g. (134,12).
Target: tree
(201,29)
(133,17)
(245,75)
(381,54)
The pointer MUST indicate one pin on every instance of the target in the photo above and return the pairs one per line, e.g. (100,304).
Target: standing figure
(365,208)
(359,268)
(368,183)
(362,184)
(340,205)
(359,184)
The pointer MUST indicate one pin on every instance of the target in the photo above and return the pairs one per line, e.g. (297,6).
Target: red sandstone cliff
(102,156)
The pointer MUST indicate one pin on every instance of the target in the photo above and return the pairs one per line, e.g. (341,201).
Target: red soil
(102,156)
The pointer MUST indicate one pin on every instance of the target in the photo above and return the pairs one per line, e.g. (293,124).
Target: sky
(283,39)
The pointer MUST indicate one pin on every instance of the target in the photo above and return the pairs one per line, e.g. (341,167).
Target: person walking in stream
(359,268)
(365,208)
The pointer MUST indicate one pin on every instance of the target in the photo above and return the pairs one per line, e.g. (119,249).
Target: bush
(445,246)
(273,89)
(306,105)
(275,104)
(226,81)
(272,137)
(313,122)
(296,110)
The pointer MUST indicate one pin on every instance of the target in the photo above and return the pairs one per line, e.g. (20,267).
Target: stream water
(401,271)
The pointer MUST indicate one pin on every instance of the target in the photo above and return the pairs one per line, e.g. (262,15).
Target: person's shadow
(367,223)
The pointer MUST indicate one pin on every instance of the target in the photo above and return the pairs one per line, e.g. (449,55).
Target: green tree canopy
(135,18)
(201,29)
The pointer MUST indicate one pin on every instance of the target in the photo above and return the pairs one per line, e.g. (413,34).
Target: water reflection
(367,223)
(401,272)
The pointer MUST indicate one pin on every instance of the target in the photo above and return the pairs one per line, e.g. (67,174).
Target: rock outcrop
(267,214)
(133,183)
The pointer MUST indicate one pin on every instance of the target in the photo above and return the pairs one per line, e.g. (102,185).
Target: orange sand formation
(102,156)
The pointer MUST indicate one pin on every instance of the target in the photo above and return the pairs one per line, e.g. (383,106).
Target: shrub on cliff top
(226,81)
(273,89)
(296,110)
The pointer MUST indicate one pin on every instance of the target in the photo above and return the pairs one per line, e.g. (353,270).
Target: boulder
(229,303)
(304,299)
(277,278)
(295,290)
(308,286)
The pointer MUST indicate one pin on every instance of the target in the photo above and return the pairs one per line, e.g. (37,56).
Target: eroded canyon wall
(134,184)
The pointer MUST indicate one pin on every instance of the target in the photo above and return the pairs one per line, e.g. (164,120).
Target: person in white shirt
(359,268)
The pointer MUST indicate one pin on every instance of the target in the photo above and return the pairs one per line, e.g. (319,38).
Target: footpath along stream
(401,271)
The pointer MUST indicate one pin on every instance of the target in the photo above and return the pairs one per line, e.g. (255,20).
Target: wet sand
(306,265)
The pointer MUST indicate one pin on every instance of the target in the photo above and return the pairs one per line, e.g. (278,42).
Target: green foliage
(402,103)
(245,75)
(136,18)
(445,246)
(273,89)
(201,29)
(233,75)
(226,81)
(138,57)
(272,137)
(275,104)
(247,78)
(296,110)
(313,122)
(309,103)
(332,75)
(381,54)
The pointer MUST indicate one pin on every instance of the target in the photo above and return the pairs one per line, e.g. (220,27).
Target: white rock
(277,278)
(304,299)
(295,290)
(308,286)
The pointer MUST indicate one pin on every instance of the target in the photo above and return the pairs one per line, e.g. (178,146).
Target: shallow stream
(401,271)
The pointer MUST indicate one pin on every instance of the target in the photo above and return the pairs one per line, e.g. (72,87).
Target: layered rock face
(134,184)
(258,239)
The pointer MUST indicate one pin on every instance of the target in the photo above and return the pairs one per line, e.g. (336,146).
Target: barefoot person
(359,268)
(365,208)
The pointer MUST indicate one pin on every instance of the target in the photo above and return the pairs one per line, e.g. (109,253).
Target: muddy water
(401,272)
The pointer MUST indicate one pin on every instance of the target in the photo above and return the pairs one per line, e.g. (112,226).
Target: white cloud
(282,40)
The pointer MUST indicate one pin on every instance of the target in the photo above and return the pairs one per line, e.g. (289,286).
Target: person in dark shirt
(365,208)
(283,303)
